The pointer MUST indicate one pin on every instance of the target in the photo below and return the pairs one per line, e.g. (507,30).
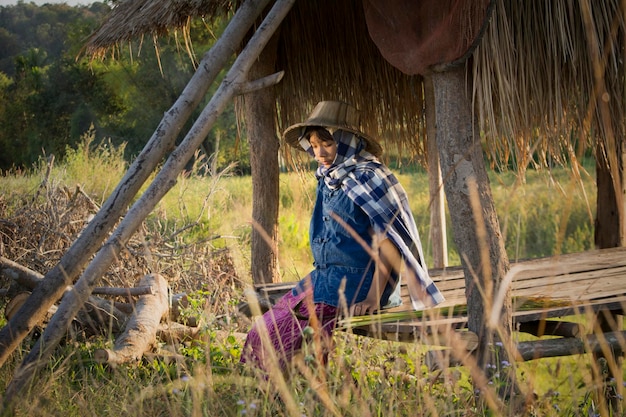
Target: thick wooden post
(438,239)
(474,221)
(260,113)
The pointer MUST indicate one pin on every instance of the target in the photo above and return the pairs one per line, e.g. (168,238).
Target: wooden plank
(609,276)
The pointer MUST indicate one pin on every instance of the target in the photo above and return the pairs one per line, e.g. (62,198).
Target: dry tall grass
(197,239)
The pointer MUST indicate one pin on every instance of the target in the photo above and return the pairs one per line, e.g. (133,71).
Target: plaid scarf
(374,188)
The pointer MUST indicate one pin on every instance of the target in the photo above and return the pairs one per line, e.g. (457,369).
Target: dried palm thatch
(549,80)
(548,77)
(132,19)
(327,54)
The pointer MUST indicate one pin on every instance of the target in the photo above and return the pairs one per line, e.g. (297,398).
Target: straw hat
(333,115)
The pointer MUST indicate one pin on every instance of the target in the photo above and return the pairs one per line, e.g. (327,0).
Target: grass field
(199,239)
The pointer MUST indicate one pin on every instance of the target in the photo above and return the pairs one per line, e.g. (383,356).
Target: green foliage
(546,213)
(97,167)
(51,94)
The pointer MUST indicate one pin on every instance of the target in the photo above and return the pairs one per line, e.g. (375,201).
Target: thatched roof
(549,79)
(327,54)
(533,72)
(132,19)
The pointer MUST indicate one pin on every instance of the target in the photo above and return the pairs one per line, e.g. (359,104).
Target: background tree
(56,94)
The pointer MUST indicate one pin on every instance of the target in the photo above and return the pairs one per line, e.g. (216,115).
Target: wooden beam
(550,348)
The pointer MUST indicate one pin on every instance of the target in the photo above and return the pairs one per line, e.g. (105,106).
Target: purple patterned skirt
(280,330)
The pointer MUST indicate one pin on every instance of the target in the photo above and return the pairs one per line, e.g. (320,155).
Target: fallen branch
(14,304)
(97,314)
(141,330)
(124,292)
(175,333)
(19,273)
(30,279)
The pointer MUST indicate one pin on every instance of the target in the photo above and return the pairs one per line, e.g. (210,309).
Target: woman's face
(325,151)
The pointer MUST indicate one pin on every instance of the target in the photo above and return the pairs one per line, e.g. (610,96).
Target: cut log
(16,302)
(178,303)
(141,330)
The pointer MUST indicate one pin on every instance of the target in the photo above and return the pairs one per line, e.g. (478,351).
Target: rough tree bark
(163,182)
(610,225)
(260,114)
(162,141)
(474,222)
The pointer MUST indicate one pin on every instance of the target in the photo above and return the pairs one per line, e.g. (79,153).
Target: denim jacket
(337,254)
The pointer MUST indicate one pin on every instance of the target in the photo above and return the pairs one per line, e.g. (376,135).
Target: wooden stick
(123,292)
(261,83)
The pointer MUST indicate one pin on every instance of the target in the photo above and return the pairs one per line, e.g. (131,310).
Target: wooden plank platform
(542,290)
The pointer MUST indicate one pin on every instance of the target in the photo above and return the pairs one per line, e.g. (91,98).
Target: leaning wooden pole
(162,141)
(163,182)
